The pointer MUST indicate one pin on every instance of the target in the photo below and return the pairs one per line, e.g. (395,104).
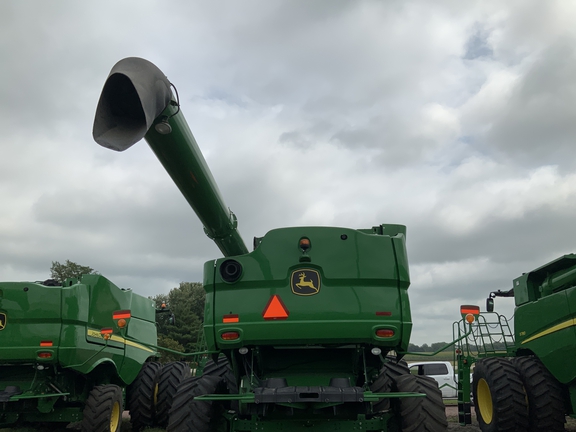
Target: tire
(383,383)
(216,369)
(103,410)
(189,415)
(545,395)
(170,378)
(499,396)
(142,396)
(419,414)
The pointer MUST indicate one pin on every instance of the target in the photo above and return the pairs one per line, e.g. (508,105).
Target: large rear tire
(142,396)
(383,383)
(103,410)
(545,395)
(189,415)
(170,378)
(499,396)
(419,414)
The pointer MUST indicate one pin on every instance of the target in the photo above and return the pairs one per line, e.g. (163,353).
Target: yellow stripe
(97,334)
(558,327)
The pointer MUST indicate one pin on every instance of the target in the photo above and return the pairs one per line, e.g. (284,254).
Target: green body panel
(69,319)
(545,315)
(359,278)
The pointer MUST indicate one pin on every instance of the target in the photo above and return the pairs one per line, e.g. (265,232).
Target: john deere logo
(2,320)
(305,282)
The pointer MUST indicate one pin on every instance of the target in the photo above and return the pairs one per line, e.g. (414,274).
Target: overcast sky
(456,119)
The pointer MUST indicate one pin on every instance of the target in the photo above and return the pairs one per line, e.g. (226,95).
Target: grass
(443,356)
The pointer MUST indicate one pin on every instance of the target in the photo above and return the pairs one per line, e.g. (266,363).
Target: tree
(69,269)
(187,304)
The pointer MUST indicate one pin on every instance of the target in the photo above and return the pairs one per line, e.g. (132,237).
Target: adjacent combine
(525,378)
(305,330)
(68,353)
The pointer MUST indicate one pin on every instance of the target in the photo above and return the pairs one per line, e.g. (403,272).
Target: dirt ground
(453,425)
(451,414)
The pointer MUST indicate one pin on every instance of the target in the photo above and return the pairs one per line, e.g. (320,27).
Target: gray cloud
(452,118)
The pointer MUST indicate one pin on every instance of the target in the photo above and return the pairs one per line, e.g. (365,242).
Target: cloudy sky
(456,119)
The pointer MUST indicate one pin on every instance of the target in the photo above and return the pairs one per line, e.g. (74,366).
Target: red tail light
(384,333)
(229,336)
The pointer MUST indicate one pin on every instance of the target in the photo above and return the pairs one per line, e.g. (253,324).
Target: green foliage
(187,304)
(69,269)
(166,342)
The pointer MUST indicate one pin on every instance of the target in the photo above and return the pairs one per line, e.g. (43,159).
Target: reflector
(275,309)
(121,314)
(232,318)
(470,309)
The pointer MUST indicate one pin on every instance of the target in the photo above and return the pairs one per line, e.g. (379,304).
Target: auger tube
(135,98)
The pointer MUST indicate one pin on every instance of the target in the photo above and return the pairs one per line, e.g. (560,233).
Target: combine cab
(305,330)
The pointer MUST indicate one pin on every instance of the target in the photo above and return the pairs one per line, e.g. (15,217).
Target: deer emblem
(305,282)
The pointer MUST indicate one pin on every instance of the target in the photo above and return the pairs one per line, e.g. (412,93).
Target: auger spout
(137,102)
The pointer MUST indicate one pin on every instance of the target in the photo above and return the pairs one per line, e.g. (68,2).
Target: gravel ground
(451,414)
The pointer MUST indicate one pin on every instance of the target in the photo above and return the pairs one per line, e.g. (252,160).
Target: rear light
(45,355)
(106,333)
(231,318)
(125,314)
(383,313)
(230,336)
(470,318)
(384,333)
(46,344)
(469,309)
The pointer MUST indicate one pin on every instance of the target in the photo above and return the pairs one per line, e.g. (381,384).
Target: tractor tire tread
(97,411)
(188,414)
(509,407)
(140,396)
(545,395)
(172,375)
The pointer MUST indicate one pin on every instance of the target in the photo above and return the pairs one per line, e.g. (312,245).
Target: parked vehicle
(442,372)
(525,378)
(81,350)
(300,327)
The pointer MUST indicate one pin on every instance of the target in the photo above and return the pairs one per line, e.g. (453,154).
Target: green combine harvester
(306,331)
(74,351)
(525,376)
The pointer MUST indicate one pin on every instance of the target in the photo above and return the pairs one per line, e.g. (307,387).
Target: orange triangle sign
(275,309)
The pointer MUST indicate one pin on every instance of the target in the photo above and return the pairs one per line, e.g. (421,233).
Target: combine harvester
(305,330)
(524,379)
(76,351)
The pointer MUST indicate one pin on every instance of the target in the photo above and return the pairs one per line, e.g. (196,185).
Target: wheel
(383,383)
(216,369)
(142,396)
(222,369)
(171,376)
(545,395)
(189,415)
(419,414)
(499,396)
(103,410)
